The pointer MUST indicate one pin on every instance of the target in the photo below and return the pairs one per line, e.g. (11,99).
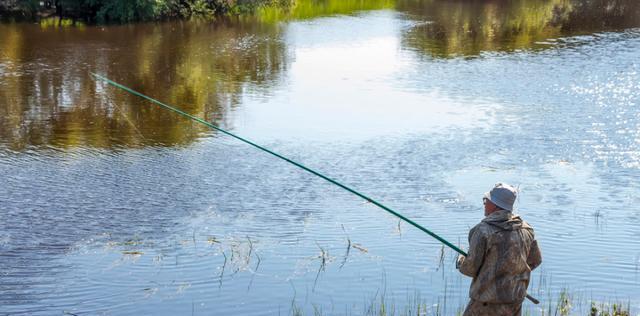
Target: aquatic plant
(563,308)
(381,305)
(615,309)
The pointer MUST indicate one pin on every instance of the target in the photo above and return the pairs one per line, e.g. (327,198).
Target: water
(111,205)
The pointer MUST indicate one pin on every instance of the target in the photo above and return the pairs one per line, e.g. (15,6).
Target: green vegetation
(119,11)
(309,9)
(379,305)
(457,25)
(122,11)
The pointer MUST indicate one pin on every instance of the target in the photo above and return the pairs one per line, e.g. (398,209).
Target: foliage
(28,5)
(22,7)
(121,11)
(298,9)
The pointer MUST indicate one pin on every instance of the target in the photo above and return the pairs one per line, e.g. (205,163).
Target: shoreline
(136,11)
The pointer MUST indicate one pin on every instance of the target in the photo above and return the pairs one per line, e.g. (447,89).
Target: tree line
(121,11)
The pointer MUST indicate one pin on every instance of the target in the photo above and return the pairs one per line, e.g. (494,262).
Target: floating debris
(133,242)
(133,253)
(150,291)
(359,247)
(183,287)
(489,168)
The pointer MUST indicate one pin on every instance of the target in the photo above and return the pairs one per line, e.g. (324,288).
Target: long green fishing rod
(368,199)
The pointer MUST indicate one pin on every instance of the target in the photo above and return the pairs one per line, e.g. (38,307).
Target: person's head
(501,197)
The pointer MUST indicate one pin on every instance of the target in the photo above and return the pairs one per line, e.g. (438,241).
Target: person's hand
(459,261)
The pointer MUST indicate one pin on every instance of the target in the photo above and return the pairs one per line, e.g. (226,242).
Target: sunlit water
(111,205)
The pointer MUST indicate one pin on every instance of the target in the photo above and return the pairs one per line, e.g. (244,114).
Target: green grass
(565,304)
(614,309)
(307,9)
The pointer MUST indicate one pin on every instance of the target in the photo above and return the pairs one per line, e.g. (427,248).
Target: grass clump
(567,303)
(615,309)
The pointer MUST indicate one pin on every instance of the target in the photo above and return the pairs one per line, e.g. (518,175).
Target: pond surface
(112,205)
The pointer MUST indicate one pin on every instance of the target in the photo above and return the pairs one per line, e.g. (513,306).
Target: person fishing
(477,263)
(502,253)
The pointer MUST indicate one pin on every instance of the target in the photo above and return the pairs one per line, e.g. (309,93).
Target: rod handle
(533,299)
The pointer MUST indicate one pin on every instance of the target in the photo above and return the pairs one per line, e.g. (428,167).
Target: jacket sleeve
(535,256)
(470,265)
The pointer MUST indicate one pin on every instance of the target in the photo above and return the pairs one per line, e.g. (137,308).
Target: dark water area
(213,64)
(112,205)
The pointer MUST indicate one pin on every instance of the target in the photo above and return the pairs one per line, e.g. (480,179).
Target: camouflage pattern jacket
(502,253)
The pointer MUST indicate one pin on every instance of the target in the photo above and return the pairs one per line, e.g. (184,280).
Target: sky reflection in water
(112,205)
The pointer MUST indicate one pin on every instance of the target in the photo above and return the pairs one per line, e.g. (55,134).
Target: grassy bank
(122,11)
(565,304)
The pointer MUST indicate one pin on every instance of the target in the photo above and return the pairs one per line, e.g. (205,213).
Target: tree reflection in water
(50,98)
(467,28)
(47,96)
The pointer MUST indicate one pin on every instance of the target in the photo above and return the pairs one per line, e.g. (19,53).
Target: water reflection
(134,231)
(49,97)
(467,28)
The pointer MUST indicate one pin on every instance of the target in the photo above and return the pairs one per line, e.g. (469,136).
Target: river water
(112,205)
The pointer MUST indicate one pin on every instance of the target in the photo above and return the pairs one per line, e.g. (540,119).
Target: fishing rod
(366,198)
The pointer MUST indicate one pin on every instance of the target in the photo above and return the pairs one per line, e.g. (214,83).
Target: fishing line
(126,117)
(366,198)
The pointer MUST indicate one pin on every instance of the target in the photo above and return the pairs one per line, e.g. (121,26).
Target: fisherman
(502,253)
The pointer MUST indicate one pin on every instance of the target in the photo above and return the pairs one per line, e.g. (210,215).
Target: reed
(381,305)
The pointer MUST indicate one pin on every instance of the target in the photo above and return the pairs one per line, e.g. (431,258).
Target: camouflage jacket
(502,253)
